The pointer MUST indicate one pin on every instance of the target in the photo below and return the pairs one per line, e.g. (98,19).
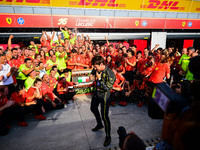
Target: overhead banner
(144,5)
(47,21)
(124,23)
(32,21)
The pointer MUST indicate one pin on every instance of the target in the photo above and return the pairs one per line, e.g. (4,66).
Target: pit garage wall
(115,14)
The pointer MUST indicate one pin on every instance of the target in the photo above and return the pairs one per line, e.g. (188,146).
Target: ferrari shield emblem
(9,20)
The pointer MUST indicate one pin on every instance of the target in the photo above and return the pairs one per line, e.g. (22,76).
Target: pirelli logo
(101,3)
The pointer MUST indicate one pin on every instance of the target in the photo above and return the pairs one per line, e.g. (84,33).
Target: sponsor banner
(85,90)
(144,5)
(83,22)
(46,21)
(25,21)
(124,22)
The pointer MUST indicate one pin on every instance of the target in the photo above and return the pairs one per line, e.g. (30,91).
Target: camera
(122,135)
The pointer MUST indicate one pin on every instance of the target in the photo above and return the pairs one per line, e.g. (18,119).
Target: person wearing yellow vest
(51,62)
(59,41)
(61,56)
(65,32)
(35,46)
(24,70)
(72,39)
(30,80)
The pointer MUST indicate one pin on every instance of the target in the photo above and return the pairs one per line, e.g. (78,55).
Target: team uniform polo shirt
(72,60)
(30,93)
(160,71)
(72,40)
(46,89)
(28,83)
(15,62)
(21,75)
(17,98)
(119,79)
(88,62)
(121,69)
(184,62)
(131,60)
(47,44)
(50,62)
(143,65)
(52,83)
(36,48)
(61,61)
(80,60)
(157,57)
(66,34)
(148,71)
(68,78)
(58,42)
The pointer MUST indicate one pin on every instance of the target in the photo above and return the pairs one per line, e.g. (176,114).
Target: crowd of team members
(36,78)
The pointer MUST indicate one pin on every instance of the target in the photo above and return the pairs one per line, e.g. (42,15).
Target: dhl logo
(157,4)
(102,3)
(28,1)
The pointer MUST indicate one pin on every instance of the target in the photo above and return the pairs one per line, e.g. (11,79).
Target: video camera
(165,100)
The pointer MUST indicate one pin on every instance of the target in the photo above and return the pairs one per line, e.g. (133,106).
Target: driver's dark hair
(97,60)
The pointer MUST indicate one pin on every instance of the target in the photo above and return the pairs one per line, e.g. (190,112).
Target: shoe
(98,127)
(120,103)
(140,104)
(40,117)
(124,103)
(22,124)
(107,141)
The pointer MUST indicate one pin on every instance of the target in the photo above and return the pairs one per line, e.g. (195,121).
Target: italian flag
(83,79)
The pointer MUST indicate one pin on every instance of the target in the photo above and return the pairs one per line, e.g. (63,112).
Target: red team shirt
(131,60)
(119,79)
(52,82)
(31,93)
(160,71)
(46,89)
(17,98)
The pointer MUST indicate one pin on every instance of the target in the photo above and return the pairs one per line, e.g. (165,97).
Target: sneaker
(98,127)
(22,124)
(124,103)
(120,103)
(107,141)
(40,117)
(140,104)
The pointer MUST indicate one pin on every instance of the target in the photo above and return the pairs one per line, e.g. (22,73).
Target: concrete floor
(70,128)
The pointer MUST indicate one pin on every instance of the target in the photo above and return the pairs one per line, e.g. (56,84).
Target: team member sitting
(63,92)
(51,101)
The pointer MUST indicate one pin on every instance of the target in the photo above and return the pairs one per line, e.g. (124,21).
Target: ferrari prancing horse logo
(9,20)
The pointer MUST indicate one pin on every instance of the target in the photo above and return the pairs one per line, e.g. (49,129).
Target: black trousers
(129,76)
(6,118)
(11,89)
(67,96)
(103,100)
(117,96)
(31,108)
(48,106)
